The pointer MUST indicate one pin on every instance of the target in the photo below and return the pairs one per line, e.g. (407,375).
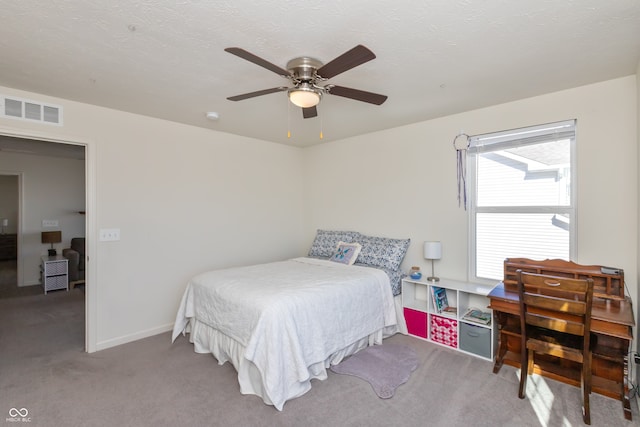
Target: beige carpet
(9,282)
(152,382)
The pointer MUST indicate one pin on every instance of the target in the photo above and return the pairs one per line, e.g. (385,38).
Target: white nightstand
(54,273)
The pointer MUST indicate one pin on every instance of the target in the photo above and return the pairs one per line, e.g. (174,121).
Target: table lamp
(52,237)
(5,224)
(432,251)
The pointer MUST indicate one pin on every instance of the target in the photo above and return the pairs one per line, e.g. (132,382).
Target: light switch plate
(109,234)
(49,223)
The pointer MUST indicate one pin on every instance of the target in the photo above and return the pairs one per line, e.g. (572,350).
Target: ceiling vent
(24,109)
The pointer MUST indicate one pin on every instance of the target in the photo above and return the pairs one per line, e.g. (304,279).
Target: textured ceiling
(434,57)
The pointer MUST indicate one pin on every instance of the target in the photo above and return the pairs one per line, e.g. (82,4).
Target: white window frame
(515,137)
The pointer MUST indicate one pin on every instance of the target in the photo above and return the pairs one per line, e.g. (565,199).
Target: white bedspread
(289,315)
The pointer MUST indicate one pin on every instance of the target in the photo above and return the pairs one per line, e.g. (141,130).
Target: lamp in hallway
(432,251)
(52,237)
(5,224)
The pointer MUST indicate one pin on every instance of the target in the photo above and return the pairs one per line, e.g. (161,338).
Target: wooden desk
(612,328)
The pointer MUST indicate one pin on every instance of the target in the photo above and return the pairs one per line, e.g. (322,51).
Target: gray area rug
(385,367)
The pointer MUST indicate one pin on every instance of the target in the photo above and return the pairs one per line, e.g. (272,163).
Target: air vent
(25,109)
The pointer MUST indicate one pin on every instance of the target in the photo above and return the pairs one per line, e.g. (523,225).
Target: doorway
(61,169)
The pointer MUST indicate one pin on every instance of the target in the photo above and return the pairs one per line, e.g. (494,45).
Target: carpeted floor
(152,382)
(9,282)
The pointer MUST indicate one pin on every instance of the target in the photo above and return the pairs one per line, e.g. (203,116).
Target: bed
(284,323)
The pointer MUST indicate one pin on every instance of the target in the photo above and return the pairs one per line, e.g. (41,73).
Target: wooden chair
(555,320)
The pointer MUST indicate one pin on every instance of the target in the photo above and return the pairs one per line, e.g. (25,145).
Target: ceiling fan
(307,76)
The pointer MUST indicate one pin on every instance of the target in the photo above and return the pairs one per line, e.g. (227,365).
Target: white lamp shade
(432,250)
(5,222)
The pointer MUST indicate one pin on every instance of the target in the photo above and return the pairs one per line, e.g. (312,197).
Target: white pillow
(346,253)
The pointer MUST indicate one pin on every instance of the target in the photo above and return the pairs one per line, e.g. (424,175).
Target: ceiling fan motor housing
(303,71)
(304,68)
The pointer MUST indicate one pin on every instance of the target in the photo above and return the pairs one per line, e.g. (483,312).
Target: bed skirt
(206,339)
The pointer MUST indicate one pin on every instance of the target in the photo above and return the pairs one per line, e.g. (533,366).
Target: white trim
(20,270)
(103,345)
(522,133)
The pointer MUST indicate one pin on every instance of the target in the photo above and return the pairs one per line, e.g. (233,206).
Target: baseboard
(103,345)
(24,285)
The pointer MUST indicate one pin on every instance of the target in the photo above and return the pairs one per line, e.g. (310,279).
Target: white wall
(52,188)
(402,182)
(186,200)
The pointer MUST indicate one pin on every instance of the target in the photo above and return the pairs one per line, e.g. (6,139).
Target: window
(521,193)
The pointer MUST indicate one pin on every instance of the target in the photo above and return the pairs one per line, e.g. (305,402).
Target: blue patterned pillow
(326,242)
(346,253)
(382,251)
(395,277)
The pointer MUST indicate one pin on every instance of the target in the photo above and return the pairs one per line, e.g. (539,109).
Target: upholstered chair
(76,256)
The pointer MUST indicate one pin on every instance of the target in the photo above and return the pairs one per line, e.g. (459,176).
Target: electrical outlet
(109,234)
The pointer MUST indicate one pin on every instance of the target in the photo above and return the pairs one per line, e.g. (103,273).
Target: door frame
(90,161)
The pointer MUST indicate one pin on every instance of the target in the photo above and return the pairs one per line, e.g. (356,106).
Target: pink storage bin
(444,331)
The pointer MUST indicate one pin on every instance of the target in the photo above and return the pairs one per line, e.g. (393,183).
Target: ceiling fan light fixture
(304,96)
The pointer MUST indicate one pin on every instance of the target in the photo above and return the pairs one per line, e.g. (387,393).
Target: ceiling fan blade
(348,60)
(257,93)
(309,112)
(257,60)
(358,95)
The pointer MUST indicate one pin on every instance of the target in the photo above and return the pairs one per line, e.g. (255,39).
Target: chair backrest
(556,303)
(77,244)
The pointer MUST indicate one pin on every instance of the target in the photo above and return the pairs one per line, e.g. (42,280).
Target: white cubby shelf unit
(450,329)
